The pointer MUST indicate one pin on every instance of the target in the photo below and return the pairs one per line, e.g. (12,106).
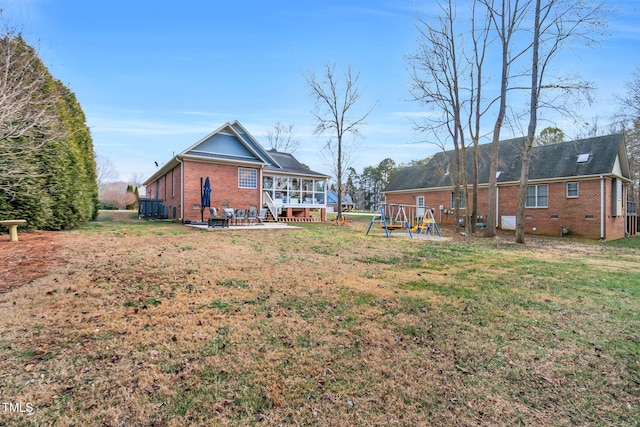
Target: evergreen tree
(47,165)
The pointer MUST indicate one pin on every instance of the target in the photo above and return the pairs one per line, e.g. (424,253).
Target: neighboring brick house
(242,174)
(580,186)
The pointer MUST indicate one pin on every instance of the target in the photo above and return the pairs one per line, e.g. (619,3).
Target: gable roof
(554,161)
(232,143)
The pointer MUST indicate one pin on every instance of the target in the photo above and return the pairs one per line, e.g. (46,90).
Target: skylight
(498,173)
(582,158)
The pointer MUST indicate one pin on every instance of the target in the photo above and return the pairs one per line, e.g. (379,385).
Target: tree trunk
(531,130)
(339,174)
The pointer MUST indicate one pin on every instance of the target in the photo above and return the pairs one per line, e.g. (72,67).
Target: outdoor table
(12,225)
(220,221)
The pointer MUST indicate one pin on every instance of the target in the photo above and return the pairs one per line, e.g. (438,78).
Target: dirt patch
(37,252)
(31,257)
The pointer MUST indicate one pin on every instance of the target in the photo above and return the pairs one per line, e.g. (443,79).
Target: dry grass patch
(159,324)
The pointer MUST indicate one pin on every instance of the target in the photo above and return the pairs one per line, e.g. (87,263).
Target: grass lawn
(153,323)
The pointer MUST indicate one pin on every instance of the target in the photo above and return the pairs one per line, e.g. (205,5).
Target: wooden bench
(12,225)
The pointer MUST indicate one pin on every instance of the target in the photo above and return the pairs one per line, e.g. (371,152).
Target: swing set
(394,217)
(391,217)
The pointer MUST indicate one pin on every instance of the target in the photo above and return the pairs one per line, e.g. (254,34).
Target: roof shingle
(547,162)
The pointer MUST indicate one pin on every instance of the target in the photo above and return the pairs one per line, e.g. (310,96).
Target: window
(583,158)
(537,196)
(267,183)
(616,193)
(455,202)
(420,201)
(572,190)
(294,190)
(247,178)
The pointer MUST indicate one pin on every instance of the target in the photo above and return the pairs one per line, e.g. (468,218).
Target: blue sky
(153,77)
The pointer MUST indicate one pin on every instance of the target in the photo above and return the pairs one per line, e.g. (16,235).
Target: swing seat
(393,226)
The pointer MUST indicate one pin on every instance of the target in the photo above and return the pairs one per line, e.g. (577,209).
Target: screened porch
(286,191)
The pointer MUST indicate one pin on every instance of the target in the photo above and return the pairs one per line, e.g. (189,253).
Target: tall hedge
(51,180)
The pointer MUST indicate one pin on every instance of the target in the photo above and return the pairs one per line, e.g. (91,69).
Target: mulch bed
(31,257)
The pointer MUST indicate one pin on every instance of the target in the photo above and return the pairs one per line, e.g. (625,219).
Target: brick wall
(224,189)
(580,215)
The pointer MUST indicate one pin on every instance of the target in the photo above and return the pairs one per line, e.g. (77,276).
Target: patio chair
(229,213)
(252,216)
(262,216)
(241,215)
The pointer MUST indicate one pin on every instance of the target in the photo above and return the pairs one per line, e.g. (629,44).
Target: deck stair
(295,219)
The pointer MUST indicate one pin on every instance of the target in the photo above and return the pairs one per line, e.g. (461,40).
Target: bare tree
(115,194)
(631,100)
(447,76)
(555,22)
(335,101)
(506,18)
(28,120)
(480,44)
(106,171)
(282,138)
(437,75)
(629,121)
(137,178)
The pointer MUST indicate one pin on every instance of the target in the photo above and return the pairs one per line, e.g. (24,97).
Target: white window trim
(452,200)
(254,178)
(537,197)
(577,190)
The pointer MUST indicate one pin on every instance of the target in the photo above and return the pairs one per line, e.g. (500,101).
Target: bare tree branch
(28,122)
(335,100)
(282,138)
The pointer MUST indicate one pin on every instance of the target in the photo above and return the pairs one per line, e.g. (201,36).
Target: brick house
(580,186)
(242,174)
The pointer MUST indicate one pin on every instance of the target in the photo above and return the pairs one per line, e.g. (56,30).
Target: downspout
(627,231)
(181,188)
(602,207)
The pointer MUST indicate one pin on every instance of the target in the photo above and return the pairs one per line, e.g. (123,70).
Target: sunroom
(294,196)
(295,191)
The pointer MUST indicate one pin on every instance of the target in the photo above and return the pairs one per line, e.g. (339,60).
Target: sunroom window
(293,190)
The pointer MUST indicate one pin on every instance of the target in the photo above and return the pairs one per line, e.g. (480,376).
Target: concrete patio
(259,226)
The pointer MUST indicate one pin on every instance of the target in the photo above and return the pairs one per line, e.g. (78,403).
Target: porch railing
(271,205)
